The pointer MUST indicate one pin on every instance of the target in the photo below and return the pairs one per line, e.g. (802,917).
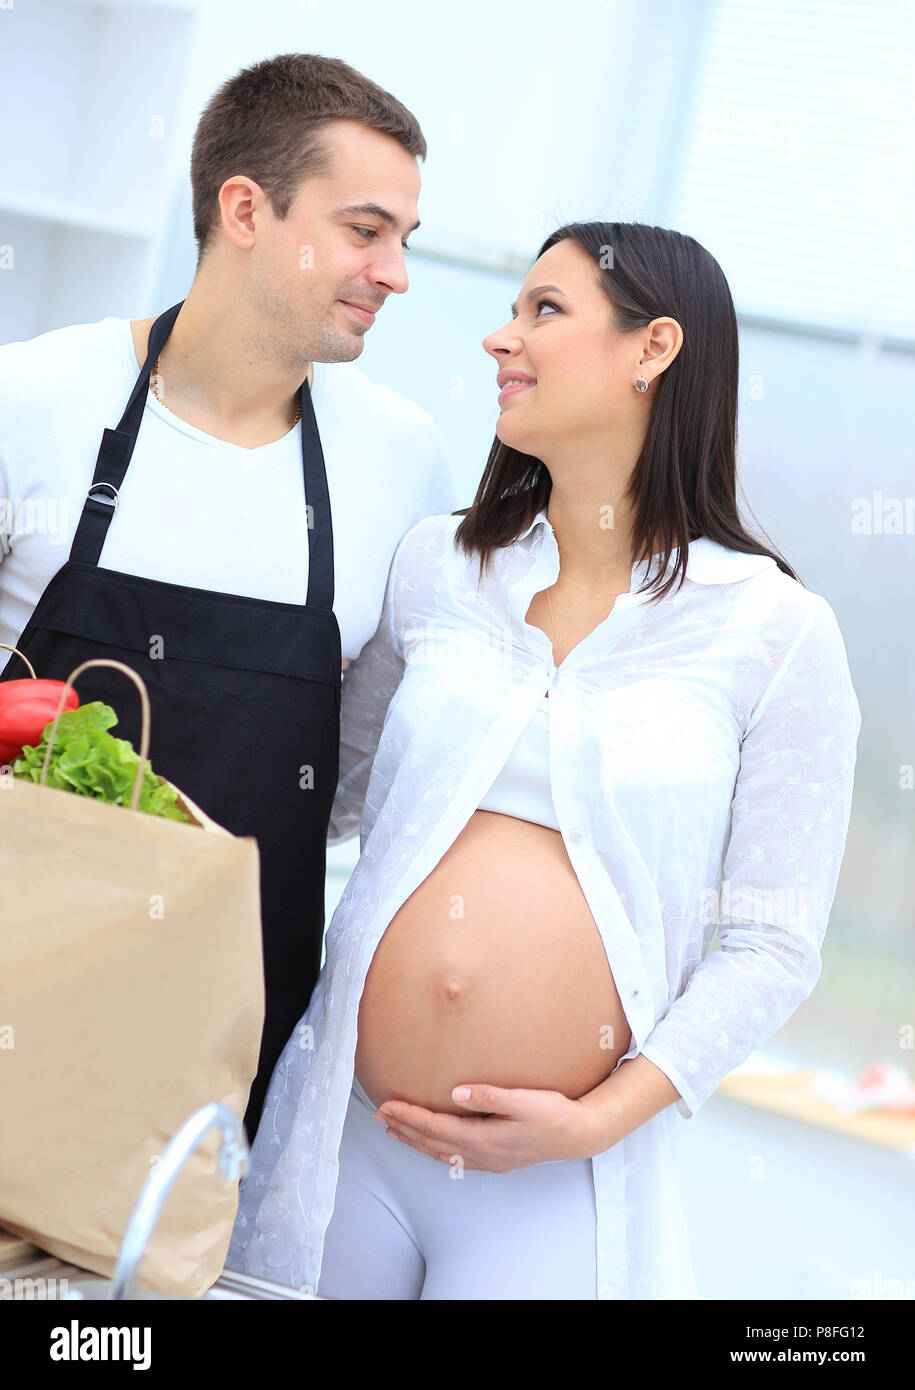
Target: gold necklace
(156,379)
(553,621)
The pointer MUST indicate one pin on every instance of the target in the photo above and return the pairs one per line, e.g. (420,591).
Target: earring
(641,384)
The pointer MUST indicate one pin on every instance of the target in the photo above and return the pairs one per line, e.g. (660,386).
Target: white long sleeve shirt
(701,760)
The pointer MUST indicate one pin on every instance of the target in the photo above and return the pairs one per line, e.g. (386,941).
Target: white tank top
(522,788)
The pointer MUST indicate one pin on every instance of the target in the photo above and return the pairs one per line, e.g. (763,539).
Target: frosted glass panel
(798,168)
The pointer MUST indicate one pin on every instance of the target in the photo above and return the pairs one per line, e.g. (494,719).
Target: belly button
(452,989)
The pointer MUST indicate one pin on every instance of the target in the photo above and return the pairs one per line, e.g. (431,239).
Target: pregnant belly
(493,970)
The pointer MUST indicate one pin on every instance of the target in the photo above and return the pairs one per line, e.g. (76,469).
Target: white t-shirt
(194,509)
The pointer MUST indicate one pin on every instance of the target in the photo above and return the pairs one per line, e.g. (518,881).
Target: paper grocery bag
(131,994)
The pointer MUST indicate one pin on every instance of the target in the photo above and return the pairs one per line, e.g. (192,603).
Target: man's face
(336,247)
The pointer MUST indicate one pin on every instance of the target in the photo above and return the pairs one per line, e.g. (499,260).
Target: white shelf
(87,185)
(64,213)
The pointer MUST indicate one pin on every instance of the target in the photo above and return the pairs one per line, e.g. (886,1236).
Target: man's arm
(368,688)
(6,511)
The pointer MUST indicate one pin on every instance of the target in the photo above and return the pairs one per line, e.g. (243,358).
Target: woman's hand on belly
(515,1129)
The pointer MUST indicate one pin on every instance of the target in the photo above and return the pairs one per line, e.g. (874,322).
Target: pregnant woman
(598,724)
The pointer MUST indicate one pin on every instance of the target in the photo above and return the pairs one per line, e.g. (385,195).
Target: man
(211,549)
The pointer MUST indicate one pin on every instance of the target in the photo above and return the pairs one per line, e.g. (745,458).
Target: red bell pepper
(26,708)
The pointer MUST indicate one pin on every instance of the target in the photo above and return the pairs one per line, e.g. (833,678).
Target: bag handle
(144,735)
(22,657)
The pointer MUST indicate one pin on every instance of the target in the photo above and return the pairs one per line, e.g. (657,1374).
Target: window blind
(797,167)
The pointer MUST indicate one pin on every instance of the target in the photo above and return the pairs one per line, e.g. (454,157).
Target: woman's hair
(684,480)
(267,123)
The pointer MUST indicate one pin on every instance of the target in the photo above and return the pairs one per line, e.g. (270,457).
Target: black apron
(245,701)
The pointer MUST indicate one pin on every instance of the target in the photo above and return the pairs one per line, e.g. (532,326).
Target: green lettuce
(91,762)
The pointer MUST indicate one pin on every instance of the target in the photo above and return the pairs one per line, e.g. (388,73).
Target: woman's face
(583,369)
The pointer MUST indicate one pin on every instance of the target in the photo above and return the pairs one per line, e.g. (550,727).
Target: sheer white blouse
(701,763)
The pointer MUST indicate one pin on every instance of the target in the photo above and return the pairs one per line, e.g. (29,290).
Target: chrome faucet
(233,1162)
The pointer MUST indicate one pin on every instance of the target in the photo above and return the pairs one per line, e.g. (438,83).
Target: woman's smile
(513,388)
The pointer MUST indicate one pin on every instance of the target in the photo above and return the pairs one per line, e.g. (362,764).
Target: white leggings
(403,1227)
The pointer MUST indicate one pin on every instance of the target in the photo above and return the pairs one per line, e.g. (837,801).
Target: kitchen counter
(27,1272)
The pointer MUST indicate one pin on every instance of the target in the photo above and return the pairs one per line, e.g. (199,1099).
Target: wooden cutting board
(791,1093)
